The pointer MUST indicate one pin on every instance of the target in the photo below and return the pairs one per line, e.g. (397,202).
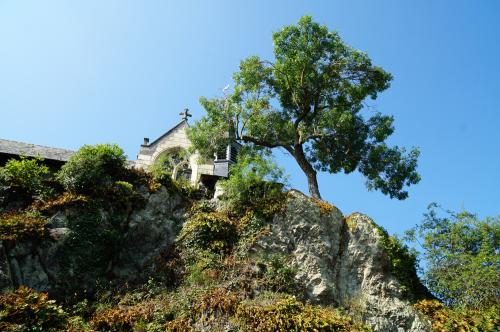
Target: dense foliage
(279,277)
(101,193)
(93,168)
(254,179)
(22,179)
(461,255)
(309,102)
(208,230)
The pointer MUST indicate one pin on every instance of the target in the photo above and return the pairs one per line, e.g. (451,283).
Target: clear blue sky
(85,72)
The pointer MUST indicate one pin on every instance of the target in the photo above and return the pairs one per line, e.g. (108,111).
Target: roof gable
(169,133)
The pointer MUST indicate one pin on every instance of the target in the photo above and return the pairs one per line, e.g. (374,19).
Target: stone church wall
(175,138)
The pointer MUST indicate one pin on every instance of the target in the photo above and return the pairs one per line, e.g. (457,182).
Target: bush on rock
(21,179)
(93,168)
(208,230)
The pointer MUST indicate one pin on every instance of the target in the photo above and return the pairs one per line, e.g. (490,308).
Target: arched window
(175,161)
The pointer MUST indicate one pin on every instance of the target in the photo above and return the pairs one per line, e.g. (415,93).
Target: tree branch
(254,140)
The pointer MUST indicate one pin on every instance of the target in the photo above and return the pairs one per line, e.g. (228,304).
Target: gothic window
(176,163)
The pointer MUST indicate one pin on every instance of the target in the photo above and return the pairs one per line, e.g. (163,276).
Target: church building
(172,148)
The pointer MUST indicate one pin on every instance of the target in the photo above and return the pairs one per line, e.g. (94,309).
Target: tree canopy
(310,102)
(461,255)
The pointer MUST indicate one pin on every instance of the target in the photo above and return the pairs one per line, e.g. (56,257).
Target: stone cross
(185,114)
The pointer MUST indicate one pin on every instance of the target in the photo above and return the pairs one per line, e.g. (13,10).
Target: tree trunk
(312,182)
(306,167)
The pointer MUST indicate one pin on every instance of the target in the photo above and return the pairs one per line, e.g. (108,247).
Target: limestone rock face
(30,262)
(149,231)
(341,263)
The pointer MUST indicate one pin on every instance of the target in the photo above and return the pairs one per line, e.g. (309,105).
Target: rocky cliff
(62,259)
(339,261)
(342,262)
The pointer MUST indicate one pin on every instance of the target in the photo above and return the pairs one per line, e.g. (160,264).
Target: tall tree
(309,101)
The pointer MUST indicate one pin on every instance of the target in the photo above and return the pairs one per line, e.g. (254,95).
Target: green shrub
(254,181)
(187,190)
(208,231)
(23,177)
(21,225)
(4,179)
(250,226)
(159,171)
(84,309)
(93,168)
(124,187)
(202,206)
(288,314)
(27,310)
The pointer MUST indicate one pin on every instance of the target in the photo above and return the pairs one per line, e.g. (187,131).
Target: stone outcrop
(341,262)
(151,231)
(148,231)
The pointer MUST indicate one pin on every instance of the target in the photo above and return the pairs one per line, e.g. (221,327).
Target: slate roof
(33,150)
